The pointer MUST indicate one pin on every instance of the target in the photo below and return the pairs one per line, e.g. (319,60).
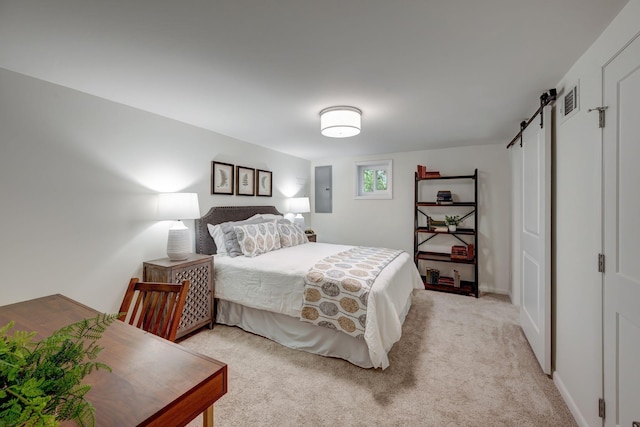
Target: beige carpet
(461,361)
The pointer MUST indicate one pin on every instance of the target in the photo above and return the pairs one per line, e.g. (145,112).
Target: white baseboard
(494,291)
(566,396)
(511,299)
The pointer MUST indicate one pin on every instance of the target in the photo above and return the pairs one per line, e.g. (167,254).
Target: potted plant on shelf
(40,382)
(452,222)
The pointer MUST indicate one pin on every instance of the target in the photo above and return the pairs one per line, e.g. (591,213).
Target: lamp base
(179,242)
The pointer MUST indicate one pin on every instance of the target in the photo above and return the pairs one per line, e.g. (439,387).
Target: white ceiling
(425,73)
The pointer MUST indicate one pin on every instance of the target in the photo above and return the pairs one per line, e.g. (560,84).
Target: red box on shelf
(459,252)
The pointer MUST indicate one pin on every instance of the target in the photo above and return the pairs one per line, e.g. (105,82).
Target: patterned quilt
(337,288)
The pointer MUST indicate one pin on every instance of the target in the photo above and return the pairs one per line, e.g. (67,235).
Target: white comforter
(274,282)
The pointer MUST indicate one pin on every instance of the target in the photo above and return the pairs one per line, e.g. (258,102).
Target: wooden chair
(157,308)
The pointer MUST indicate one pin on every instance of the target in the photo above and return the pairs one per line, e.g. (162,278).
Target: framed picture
(245,181)
(221,178)
(263,183)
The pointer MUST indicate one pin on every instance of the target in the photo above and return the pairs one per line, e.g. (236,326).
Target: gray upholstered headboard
(220,214)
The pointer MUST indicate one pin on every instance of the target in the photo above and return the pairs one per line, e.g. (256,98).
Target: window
(373,179)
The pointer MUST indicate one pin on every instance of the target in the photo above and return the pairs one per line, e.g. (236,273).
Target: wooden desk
(154,382)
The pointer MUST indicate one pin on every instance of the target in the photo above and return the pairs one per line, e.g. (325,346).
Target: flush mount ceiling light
(340,122)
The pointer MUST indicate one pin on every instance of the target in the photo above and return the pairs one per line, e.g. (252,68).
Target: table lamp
(178,206)
(299,205)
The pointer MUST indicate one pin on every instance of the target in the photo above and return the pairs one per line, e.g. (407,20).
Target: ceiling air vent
(569,104)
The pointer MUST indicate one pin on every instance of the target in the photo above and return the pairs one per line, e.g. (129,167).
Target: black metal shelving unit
(425,235)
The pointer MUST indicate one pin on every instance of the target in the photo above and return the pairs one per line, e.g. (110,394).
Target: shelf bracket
(456,236)
(468,215)
(423,213)
(427,239)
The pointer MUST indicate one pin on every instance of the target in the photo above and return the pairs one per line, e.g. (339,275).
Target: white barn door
(534,257)
(516,224)
(622,238)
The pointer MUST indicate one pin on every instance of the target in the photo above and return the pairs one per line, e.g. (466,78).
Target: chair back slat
(162,314)
(152,312)
(135,313)
(170,309)
(157,308)
(145,312)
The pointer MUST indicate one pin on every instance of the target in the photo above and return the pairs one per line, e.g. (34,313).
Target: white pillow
(218,238)
(291,234)
(270,217)
(266,216)
(256,239)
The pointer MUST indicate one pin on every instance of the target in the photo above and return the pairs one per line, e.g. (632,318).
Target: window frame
(360,167)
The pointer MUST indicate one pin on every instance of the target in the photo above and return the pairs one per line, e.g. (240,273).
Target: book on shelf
(444,197)
(456,279)
(463,253)
(441,228)
(446,281)
(470,251)
(432,275)
(459,252)
(436,225)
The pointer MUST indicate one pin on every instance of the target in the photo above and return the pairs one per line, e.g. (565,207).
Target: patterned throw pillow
(256,239)
(230,239)
(291,235)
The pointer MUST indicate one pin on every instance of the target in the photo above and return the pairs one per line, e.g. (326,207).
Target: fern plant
(41,382)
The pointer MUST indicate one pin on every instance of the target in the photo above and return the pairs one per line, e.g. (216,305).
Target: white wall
(78,182)
(389,223)
(578,227)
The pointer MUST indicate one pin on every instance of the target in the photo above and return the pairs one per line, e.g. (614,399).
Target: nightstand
(311,237)
(198,309)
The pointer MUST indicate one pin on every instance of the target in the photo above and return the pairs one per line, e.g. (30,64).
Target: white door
(535,239)
(622,238)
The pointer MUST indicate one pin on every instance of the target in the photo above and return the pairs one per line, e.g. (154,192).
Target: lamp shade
(340,122)
(178,206)
(299,205)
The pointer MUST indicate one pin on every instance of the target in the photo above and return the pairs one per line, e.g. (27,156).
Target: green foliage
(452,220)
(374,180)
(40,382)
(367,181)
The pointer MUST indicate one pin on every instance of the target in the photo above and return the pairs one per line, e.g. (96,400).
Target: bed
(264,294)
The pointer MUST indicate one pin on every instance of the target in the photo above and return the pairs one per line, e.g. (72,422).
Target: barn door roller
(545,99)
